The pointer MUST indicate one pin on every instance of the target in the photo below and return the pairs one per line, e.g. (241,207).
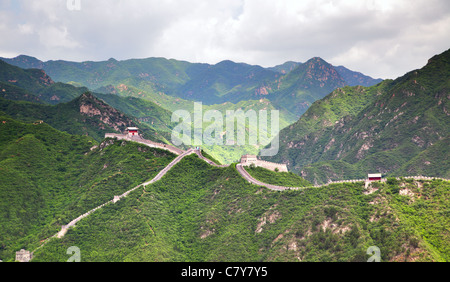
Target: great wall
(26,256)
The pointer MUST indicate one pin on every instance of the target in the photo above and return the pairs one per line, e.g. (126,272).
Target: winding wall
(181,154)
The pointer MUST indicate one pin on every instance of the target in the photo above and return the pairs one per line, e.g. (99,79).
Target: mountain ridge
(198,212)
(225,81)
(355,130)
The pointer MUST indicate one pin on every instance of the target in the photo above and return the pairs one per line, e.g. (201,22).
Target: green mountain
(353,78)
(95,118)
(156,78)
(198,212)
(85,115)
(285,67)
(301,87)
(35,85)
(202,213)
(176,85)
(389,128)
(50,177)
(226,82)
(144,111)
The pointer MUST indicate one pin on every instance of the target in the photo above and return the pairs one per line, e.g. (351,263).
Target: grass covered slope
(85,115)
(197,212)
(383,128)
(49,177)
(285,179)
(34,85)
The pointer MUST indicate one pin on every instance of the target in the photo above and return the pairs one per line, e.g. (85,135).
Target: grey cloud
(379,38)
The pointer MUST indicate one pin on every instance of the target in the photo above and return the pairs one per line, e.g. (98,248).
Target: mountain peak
(25,61)
(317,61)
(316,71)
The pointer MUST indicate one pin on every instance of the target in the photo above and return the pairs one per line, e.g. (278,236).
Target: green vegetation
(50,177)
(145,111)
(208,156)
(396,127)
(198,212)
(85,115)
(286,179)
(202,213)
(34,85)
(175,85)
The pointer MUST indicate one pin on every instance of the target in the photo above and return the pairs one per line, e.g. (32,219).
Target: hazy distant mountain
(290,86)
(395,126)
(353,78)
(74,109)
(34,85)
(285,67)
(308,82)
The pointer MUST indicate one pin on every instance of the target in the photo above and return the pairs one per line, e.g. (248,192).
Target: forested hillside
(50,177)
(202,213)
(172,83)
(396,127)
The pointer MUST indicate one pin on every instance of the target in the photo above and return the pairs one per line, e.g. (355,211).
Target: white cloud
(378,37)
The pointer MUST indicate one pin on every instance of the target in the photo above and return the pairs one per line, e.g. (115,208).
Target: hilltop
(50,177)
(52,172)
(34,85)
(395,126)
(175,85)
(198,212)
(160,79)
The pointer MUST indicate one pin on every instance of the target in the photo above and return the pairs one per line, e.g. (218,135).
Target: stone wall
(139,139)
(247,160)
(23,256)
(271,166)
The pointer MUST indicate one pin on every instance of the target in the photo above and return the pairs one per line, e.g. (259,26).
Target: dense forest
(198,212)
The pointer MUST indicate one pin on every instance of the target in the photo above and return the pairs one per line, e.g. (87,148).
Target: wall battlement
(247,160)
(139,139)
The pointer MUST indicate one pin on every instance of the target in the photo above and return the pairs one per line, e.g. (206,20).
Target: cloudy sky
(381,38)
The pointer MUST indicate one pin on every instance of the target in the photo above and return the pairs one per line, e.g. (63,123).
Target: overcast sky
(383,39)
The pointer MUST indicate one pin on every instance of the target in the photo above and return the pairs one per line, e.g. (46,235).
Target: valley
(63,154)
(176,85)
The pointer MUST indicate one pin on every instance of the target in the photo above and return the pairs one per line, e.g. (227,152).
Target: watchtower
(374,176)
(132,131)
(23,256)
(248,159)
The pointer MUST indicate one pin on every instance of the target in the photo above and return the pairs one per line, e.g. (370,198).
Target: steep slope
(226,82)
(35,85)
(50,177)
(145,111)
(307,83)
(347,135)
(199,212)
(29,79)
(85,115)
(353,78)
(292,86)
